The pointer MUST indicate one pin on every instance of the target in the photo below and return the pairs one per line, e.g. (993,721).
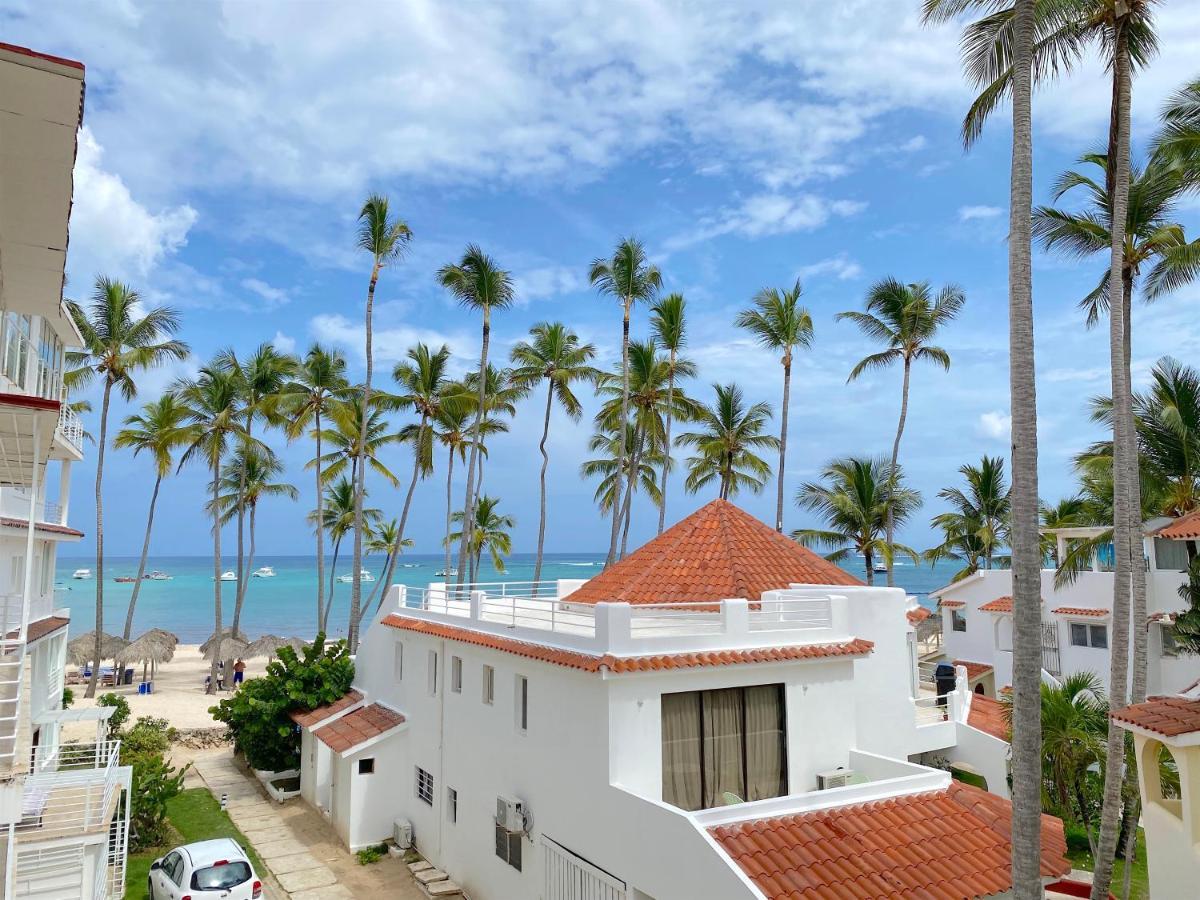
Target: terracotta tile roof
(947,844)
(999,605)
(918,615)
(45,627)
(987,715)
(358,727)
(974,669)
(574,659)
(952,604)
(40,526)
(1168,716)
(1093,611)
(1185,528)
(321,713)
(1168,617)
(717,553)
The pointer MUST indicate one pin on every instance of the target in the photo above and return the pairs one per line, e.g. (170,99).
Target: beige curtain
(724,763)
(681,750)
(765,752)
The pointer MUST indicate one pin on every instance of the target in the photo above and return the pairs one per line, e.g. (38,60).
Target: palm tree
(628,277)
(385,538)
(385,238)
(1068,512)
(118,344)
(246,480)
(669,327)
(730,433)
(319,381)
(780,324)
(214,411)
(1178,142)
(159,430)
(979,515)
(261,379)
(905,318)
(345,437)
(421,380)
(490,532)
(611,464)
(855,496)
(501,394)
(479,284)
(554,353)
(337,517)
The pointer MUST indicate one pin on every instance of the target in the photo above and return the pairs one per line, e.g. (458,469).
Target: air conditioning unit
(835,778)
(511,814)
(402,833)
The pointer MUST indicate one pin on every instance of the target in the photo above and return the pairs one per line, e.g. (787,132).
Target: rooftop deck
(543,613)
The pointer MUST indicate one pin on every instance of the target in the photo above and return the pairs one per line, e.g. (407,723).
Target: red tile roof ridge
(312,717)
(986,714)
(1186,527)
(359,726)
(1169,716)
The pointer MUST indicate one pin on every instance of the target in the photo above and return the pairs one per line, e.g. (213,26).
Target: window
(1095,636)
(456,674)
(433,672)
(723,746)
(222,876)
(958,622)
(173,867)
(398,661)
(16,578)
(522,703)
(1166,634)
(508,846)
(1170,556)
(489,685)
(424,786)
(46,581)
(451,805)
(366,766)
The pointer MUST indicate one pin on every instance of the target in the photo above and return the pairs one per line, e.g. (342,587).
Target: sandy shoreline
(178,696)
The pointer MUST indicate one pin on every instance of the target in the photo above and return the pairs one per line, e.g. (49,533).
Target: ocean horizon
(286,604)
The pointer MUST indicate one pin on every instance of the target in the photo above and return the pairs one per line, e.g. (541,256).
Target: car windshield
(221,876)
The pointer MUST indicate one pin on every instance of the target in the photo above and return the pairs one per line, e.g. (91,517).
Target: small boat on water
(363,575)
(410,565)
(158,576)
(124,579)
(264,572)
(453,573)
(229,576)
(82,573)
(880,567)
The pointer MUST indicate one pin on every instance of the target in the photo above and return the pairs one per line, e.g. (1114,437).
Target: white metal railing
(15,501)
(70,426)
(72,799)
(930,710)
(12,674)
(72,756)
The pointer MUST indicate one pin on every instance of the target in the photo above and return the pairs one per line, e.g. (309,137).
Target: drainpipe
(443,686)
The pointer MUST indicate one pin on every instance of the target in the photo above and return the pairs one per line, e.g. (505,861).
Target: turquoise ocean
(286,604)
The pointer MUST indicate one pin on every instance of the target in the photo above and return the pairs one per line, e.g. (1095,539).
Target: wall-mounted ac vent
(511,815)
(402,833)
(834,778)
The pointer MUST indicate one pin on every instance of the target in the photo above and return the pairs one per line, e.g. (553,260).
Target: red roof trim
(974,669)
(27,401)
(25,51)
(306,718)
(1094,612)
(987,715)
(357,727)
(586,662)
(999,605)
(952,604)
(1186,527)
(1168,716)
(40,526)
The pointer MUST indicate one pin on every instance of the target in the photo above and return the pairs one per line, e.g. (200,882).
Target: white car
(206,870)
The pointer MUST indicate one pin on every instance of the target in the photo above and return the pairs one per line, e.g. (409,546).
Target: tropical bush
(258,714)
(120,717)
(68,698)
(155,780)
(369,855)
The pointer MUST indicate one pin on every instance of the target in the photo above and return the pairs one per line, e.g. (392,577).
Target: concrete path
(293,840)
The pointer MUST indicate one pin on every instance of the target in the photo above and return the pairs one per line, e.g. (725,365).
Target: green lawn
(196,816)
(1139,884)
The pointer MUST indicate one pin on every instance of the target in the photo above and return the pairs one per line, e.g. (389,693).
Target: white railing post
(401,595)
(735,618)
(475,602)
(614,623)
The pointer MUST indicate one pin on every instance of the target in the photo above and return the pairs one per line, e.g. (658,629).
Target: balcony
(70,428)
(15,501)
(543,613)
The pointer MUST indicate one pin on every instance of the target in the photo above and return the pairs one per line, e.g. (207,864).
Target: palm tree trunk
(616,523)
(216,657)
(662,491)
(237,612)
(94,682)
(137,585)
(337,546)
(1137,564)
(869,565)
(635,462)
(891,513)
(449,513)
(537,564)
(243,567)
(783,425)
(320,532)
(1114,770)
(361,477)
(412,485)
(1026,544)
(477,433)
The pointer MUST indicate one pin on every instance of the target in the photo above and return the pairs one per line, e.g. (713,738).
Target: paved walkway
(295,842)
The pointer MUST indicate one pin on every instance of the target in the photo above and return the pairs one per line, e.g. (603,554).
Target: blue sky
(228,147)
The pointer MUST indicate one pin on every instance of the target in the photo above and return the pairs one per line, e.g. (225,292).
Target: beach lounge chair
(33,806)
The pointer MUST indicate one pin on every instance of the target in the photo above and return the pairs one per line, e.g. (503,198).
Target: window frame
(424,785)
(521,703)
(369,762)
(398,661)
(456,674)
(1168,646)
(488,679)
(958,622)
(432,663)
(451,805)
(1083,635)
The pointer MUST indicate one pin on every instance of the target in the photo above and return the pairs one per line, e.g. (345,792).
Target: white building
(977,626)
(61,833)
(723,714)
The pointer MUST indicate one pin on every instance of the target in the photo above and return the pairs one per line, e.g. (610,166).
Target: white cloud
(840,267)
(972,213)
(547,281)
(766,214)
(110,230)
(389,344)
(283,343)
(1066,375)
(995,424)
(272,295)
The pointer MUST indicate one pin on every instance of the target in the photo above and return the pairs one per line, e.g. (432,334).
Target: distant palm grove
(655,411)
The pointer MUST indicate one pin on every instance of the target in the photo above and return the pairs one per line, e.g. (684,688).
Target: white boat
(82,573)
(453,573)
(158,576)
(229,576)
(363,575)
(880,567)
(264,572)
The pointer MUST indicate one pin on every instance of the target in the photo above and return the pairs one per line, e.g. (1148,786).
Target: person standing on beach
(239,672)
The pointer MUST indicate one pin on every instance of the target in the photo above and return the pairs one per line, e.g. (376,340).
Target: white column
(64,490)
(34,493)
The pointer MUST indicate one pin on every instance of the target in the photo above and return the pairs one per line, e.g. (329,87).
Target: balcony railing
(70,427)
(73,794)
(15,501)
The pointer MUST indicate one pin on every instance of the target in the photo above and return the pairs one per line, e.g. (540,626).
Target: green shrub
(369,855)
(1077,838)
(119,717)
(257,715)
(68,698)
(155,781)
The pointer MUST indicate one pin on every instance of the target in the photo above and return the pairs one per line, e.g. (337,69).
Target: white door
(570,877)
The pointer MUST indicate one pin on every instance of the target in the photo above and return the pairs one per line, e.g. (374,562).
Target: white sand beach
(178,695)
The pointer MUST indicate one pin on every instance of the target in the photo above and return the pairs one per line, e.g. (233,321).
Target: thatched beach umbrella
(80,650)
(228,648)
(167,636)
(151,649)
(226,635)
(268,645)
